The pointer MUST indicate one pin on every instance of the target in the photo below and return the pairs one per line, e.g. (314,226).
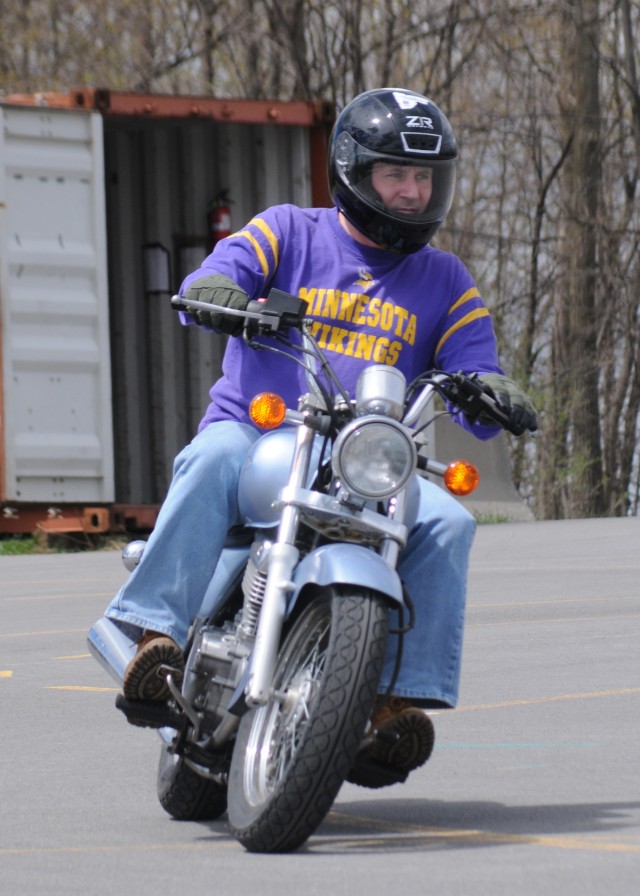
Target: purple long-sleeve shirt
(414,312)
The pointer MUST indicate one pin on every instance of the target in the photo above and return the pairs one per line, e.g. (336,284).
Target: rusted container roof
(242,111)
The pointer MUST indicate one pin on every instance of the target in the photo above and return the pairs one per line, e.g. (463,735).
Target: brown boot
(401,739)
(143,679)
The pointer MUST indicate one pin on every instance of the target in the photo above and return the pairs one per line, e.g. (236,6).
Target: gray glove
(512,400)
(219,290)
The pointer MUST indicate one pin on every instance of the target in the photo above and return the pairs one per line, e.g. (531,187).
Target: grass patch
(22,545)
(485,519)
(17,545)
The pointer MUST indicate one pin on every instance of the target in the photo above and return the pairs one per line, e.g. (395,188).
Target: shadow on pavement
(406,824)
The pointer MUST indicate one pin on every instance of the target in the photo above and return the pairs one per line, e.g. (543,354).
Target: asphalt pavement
(533,788)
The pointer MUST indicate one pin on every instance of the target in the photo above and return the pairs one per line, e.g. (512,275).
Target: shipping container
(107,200)
(56,411)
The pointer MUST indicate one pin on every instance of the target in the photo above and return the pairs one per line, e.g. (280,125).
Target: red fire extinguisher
(220,217)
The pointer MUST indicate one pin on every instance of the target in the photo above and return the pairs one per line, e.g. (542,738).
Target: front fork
(283,557)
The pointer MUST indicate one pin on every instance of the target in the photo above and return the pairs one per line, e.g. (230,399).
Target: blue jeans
(166,590)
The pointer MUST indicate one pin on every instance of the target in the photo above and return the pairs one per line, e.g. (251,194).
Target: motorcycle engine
(219,653)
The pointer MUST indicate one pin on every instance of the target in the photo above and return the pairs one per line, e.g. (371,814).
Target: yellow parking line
(53,631)
(623,692)
(7,673)
(105,580)
(555,600)
(65,595)
(375,837)
(142,847)
(621,567)
(77,687)
(615,618)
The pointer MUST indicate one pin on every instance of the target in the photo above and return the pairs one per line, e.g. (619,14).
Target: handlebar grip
(504,420)
(177,304)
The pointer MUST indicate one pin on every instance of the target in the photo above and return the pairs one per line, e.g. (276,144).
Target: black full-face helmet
(400,128)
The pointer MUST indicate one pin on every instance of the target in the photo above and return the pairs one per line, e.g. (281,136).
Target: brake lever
(278,311)
(181,303)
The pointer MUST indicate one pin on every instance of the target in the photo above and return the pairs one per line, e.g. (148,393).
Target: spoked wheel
(292,755)
(185,794)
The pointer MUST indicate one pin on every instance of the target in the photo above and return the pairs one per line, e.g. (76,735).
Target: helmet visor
(414,191)
(411,190)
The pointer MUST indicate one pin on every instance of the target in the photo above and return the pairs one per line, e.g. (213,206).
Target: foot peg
(149,713)
(368,772)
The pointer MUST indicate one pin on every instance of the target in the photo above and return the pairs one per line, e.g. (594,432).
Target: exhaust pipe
(111,647)
(107,642)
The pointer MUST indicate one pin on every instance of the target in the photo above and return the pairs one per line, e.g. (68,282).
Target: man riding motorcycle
(376,292)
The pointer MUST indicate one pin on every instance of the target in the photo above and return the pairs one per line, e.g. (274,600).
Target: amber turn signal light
(267,410)
(461,477)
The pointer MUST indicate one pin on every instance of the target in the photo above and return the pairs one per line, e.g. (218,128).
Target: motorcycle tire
(293,754)
(186,795)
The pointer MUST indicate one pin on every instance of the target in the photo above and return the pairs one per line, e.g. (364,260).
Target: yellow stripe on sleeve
(271,238)
(467,319)
(465,297)
(269,234)
(258,250)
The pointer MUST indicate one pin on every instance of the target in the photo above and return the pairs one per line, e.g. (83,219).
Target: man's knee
(220,449)
(460,520)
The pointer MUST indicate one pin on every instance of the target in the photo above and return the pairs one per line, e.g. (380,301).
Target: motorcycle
(283,661)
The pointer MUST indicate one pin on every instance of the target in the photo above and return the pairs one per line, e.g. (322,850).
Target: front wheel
(292,755)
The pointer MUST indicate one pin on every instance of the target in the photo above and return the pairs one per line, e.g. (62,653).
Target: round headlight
(374,458)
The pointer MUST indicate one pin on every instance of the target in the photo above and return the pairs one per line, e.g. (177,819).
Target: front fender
(346,564)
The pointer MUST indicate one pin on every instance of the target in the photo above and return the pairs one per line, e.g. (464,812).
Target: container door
(56,443)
